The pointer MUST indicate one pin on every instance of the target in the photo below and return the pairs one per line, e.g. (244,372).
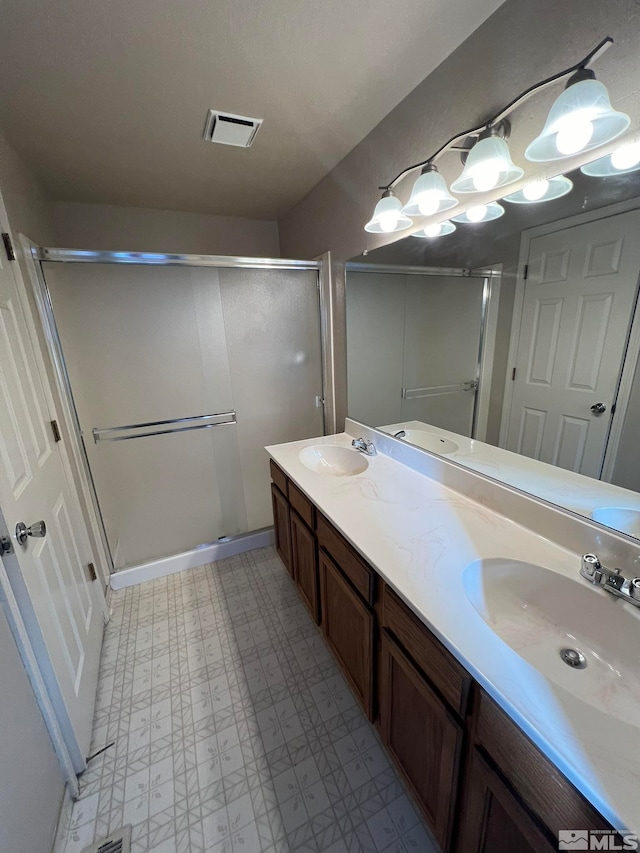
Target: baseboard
(199,556)
(64,819)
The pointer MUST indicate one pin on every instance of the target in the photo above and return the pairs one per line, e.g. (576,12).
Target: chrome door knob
(598,408)
(37,529)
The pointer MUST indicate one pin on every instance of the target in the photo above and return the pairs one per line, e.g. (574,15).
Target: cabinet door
(493,820)
(422,736)
(281,526)
(347,625)
(305,563)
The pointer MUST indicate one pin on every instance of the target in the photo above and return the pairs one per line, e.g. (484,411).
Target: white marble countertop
(420,535)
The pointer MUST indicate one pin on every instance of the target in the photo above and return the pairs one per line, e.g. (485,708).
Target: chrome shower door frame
(40,255)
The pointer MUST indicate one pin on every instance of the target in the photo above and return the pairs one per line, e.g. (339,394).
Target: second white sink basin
(538,613)
(620,518)
(334,460)
(430,441)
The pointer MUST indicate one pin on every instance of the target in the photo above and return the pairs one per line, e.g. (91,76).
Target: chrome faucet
(400,434)
(611,579)
(363,446)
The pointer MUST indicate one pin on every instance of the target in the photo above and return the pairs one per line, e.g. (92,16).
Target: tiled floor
(234,730)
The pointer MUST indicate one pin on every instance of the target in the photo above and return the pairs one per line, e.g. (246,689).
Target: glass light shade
(439,229)
(480,213)
(388,217)
(488,166)
(581,118)
(541,190)
(429,195)
(621,161)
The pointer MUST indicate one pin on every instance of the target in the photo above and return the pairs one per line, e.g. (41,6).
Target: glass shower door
(180,375)
(443,323)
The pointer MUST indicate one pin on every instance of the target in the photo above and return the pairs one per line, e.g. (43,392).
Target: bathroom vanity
(409,565)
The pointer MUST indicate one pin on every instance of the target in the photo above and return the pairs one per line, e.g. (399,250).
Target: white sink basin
(430,441)
(334,460)
(620,518)
(538,613)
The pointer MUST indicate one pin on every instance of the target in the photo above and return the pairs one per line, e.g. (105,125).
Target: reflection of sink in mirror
(334,460)
(429,441)
(620,518)
(538,612)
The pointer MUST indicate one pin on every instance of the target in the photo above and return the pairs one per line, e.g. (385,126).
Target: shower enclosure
(181,369)
(424,361)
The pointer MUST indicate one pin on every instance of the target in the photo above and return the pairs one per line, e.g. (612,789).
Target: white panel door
(35,484)
(578,301)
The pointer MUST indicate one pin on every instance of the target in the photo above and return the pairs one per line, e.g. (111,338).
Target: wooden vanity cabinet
(348,627)
(281,526)
(422,736)
(304,558)
(512,787)
(481,784)
(493,820)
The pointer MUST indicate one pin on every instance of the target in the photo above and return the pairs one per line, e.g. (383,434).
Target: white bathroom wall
(138,229)
(31,784)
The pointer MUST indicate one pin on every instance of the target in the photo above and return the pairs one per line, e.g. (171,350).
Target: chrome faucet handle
(591,568)
(367,447)
(634,589)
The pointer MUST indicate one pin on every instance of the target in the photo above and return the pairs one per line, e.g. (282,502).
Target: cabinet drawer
(279,478)
(302,505)
(439,665)
(538,782)
(361,576)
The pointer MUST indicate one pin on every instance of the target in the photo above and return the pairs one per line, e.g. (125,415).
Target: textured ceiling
(107,100)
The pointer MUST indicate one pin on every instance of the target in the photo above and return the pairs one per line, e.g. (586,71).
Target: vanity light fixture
(488,164)
(624,159)
(541,189)
(480,213)
(429,194)
(388,216)
(438,229)
(581,119)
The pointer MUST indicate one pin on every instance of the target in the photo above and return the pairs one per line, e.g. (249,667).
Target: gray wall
(31,785)
(521,43)
(138,229)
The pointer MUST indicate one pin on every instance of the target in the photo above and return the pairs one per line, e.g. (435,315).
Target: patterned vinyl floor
(234,730)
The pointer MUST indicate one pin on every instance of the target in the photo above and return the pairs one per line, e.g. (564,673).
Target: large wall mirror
(512,346)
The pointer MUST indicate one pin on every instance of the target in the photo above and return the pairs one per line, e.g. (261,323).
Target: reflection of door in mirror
(579,296)
(413,347)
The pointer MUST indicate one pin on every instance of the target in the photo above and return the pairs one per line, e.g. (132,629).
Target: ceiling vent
(230,129)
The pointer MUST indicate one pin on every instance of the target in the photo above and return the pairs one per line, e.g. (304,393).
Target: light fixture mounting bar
(453,143)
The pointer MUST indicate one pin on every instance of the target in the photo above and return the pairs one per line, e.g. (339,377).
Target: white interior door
(578,300)
(66,606)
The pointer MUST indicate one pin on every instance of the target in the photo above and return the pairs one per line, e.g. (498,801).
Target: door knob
(37,529)
(598,408)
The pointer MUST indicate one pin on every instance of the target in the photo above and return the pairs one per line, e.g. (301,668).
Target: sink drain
(574,658)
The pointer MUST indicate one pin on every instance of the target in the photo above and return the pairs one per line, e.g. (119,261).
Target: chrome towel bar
(174,425)
(436,390)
